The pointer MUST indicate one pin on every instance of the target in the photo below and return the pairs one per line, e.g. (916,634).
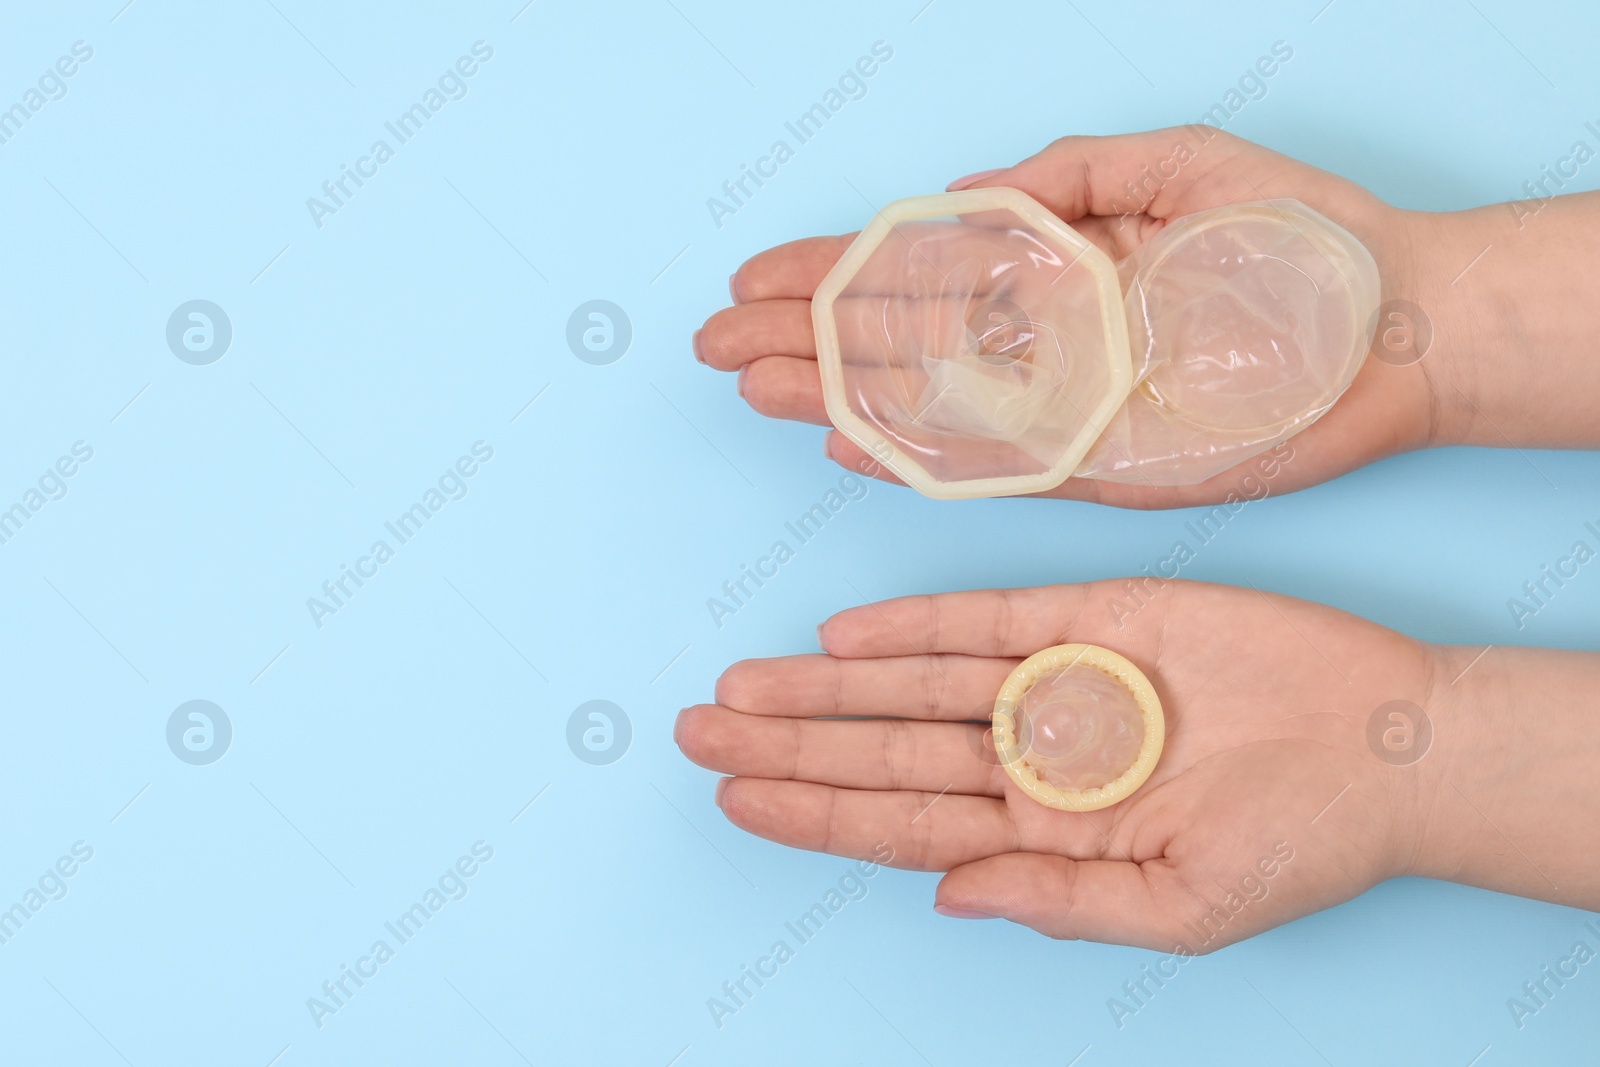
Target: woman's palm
(1267,803)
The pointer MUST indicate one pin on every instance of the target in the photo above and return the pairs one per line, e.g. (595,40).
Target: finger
(1079,176)
(784,387)
(882,754)
(927,832)
(790,387)
(906,330)
(845,452)
(1110,901)
(1003,622)
(738,336)
(937,258)
(744,333)
(789,271)
(948,688)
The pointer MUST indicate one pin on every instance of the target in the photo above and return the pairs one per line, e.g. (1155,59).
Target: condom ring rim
(1323,241)
(1060,657)
(1113,327)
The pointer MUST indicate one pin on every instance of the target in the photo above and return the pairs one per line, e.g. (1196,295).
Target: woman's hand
(1118,192)
(1289,782)
(1266,766)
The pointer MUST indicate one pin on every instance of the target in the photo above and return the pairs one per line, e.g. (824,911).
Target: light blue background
(371,753)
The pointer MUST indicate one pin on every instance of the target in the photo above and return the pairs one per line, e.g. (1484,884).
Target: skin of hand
(1270,800)
(1504,295)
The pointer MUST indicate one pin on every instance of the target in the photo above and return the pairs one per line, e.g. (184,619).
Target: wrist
(1445,329)
(1506,797)
(1437,841)
(1505,295)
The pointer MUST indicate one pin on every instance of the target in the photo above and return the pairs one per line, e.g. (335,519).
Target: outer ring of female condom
(1096,410)
(1015,760)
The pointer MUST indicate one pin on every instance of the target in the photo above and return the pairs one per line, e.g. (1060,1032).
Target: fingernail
(676,725)
(733,292)
(962,183)
(961,913)
(722,787)
(827,444)
(739,382)
(694,343)
(820,645)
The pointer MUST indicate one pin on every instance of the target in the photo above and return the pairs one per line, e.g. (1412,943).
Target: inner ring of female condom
(1078,727)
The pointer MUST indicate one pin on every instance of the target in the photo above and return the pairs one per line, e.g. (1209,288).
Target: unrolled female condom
(977,345)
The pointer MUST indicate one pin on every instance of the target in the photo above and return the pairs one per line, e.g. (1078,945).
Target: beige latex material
(979,346)
(1247,323)
(973,342)
(1078,727)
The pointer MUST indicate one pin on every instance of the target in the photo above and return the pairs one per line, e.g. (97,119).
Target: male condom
(1078,727)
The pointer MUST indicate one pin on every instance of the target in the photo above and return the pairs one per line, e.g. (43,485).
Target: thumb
(1135,173)
(1109,901)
